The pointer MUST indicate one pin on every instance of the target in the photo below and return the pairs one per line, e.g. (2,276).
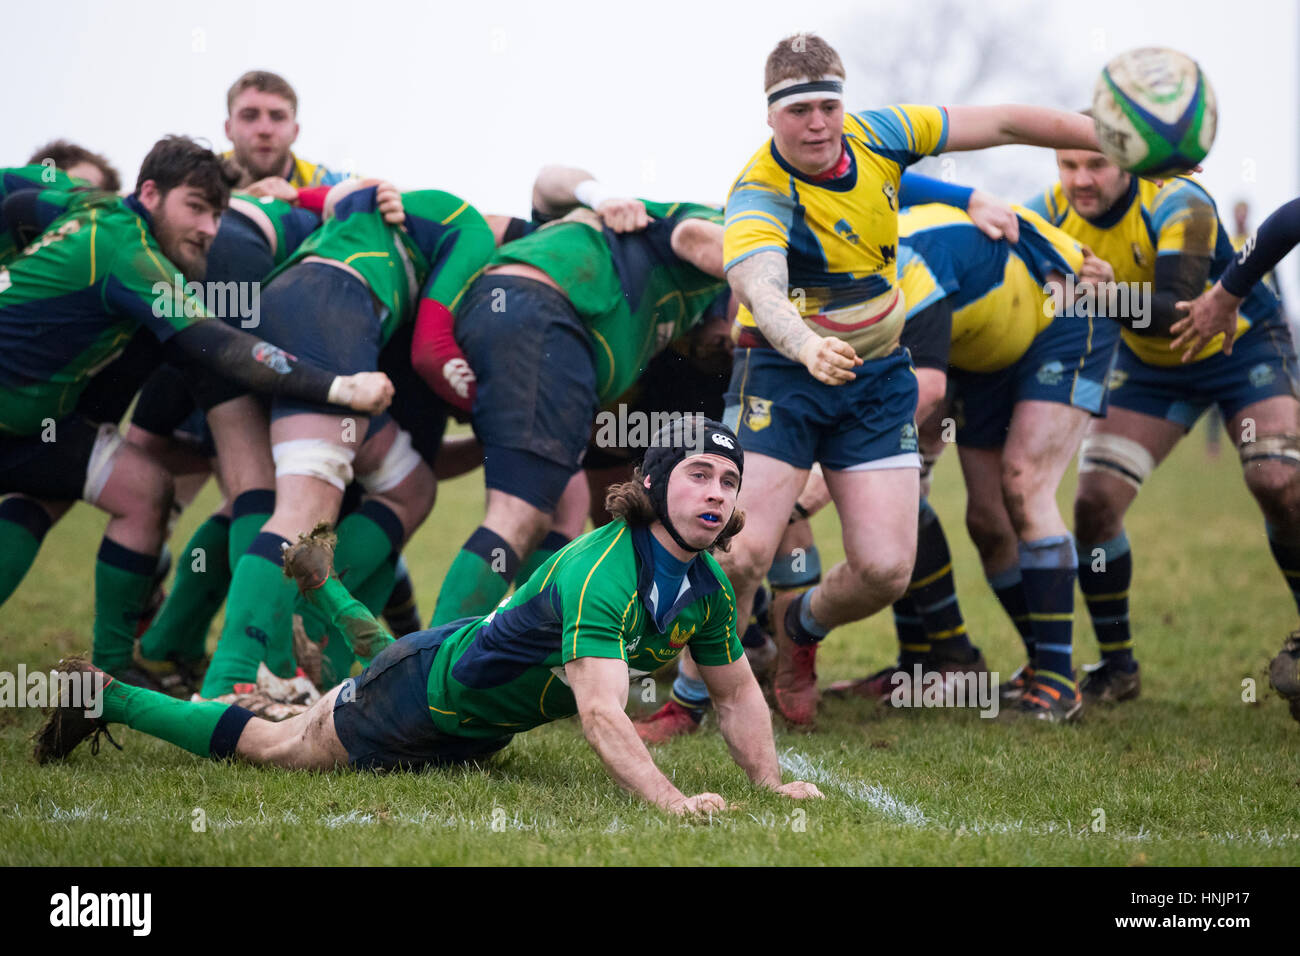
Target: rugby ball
(1154,111)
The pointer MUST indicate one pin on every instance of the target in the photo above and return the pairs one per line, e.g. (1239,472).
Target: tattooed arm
(761,282)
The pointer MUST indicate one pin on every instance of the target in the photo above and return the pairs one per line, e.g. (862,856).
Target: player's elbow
(699,242)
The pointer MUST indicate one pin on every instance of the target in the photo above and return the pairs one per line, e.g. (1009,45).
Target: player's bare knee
(986,526)
(1276,486)
(1097,516)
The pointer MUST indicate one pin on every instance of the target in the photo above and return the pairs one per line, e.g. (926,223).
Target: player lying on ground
(613,604)
(1166,244)
(1214,313)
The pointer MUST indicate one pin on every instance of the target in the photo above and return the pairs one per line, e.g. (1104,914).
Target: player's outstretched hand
(994,217)
(369,392)
(273,186)
(701,804)
(800,790)
(623,215)
(1211,312)
(829,359)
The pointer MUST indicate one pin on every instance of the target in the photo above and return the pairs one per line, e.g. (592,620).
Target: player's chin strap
(1271,448)
(659,498)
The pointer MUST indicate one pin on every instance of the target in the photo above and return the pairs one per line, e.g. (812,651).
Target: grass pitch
(1191,773)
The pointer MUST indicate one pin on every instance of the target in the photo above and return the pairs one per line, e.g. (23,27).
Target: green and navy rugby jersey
(443,244)
(71,302)
(20,179)
(596,597)
(631,291)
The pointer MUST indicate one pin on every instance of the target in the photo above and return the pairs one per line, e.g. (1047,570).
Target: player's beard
(254,172)
(193,264)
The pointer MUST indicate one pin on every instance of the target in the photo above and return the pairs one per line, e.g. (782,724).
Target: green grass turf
(1188,774)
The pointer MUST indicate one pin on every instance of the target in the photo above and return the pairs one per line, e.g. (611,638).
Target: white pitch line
(900,811)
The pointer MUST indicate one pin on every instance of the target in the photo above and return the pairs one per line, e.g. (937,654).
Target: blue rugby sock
(1287,556)
(1009,589)
(1105,573)
(1048,569)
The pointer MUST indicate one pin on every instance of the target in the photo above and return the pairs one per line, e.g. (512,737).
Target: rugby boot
(878,686)
(1103,683)
(1014,687)
(669,721)
(1044,700)
(794,683)
(67,726)
(1284,670)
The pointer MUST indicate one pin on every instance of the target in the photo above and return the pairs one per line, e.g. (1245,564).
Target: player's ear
(295,133)
(769,119)
(227,129)
(150,195)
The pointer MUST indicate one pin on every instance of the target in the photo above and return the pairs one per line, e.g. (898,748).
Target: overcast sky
(662,99)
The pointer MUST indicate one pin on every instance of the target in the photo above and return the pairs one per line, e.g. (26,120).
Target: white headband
(801,89)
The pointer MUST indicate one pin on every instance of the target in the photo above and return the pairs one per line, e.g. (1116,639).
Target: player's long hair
(630,501)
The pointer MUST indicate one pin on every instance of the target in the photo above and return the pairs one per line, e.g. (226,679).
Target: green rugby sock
(259,620)
(123,584)
(198,591)
(23,524)
(248,512)
(478,579)
(205,728)
(367,539)
(553,542)
(350,619)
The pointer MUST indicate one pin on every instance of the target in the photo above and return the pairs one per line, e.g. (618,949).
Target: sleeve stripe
(907,121)
(753,252)
(463,207)
(94,227)
(760,217)
(583,593)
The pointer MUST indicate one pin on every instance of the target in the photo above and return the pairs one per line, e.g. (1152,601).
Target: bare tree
(950,51)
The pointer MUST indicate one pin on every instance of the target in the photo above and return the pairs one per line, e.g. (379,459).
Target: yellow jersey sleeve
(760,211)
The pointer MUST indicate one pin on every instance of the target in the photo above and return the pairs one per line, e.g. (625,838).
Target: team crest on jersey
(891,195)
(678,637)
(842,228)
(757,414)
(907,438)
(1051,373)
(1117,378)
(1262,375)
(1139,259)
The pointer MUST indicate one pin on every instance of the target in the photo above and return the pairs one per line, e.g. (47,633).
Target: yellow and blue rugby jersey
(995,288)
(1149,221)
(839,236)
(304,175)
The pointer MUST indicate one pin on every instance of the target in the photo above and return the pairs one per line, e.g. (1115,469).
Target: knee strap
(316,458)
(1271,448)
(1116,455)
(399,461)
(108,443)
